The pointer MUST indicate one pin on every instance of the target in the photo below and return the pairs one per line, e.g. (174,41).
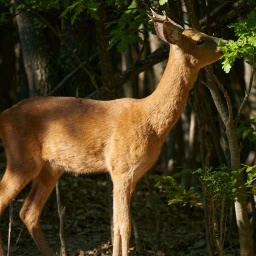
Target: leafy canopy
(125,25)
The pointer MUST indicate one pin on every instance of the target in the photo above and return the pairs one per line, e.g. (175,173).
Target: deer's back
(80,135)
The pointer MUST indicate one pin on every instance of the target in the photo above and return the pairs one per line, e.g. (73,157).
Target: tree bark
(38,48)
(243,224)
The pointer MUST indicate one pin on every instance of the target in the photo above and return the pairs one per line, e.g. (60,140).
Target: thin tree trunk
(104,55)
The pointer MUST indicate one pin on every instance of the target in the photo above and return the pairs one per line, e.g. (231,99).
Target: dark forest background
(106,50)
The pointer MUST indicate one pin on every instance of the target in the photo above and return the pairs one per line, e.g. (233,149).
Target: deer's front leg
(122,191)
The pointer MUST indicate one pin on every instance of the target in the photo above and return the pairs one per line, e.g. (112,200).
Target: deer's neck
(167,102)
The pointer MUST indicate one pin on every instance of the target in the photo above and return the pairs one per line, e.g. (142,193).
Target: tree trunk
(104,55)
(243,224)
(38,48)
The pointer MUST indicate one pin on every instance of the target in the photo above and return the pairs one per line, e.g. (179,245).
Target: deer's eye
(200,41)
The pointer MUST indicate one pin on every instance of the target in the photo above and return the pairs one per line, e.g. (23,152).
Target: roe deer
(46,136)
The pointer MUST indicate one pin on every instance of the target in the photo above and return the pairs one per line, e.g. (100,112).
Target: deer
(44,137)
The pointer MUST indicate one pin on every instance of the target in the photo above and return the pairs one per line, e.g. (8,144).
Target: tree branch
(157,56)
(226,12)
(226,113)
(191,13)
(64,80)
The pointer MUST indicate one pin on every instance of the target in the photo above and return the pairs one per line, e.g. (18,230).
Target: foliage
(251,177)
(127,29)
(219,189)
(162,2)
(43,5)
(76,7)
(247,131)
(177,193)
(123,30)
(244,46)
(216,183)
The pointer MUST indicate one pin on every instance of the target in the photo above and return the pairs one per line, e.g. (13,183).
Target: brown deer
(46,136)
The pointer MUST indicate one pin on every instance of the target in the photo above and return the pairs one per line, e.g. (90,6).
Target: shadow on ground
(158,229)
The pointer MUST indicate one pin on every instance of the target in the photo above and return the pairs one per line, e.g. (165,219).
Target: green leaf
(252,41)
(251,20)
(162,2)
(174,201)
(226,67)
(245,44)
(126,30)
(131,6)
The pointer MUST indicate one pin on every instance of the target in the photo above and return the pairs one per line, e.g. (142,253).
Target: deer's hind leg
(16,177)
(10,186)
(42,187)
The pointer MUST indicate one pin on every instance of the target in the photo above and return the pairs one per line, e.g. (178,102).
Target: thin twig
(61,212)
(221,223)
(10,228)
(18,238)
(59,85)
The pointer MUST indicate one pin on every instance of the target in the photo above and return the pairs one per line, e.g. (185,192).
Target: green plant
(123,30)
(177,192)
(245,44)
(127,29)
(76,7)
(246,130)
(218,188)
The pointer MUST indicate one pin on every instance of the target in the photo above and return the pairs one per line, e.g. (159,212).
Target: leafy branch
(244,46)
(216,183)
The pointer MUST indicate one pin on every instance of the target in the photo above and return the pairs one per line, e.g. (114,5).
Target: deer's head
(195,48)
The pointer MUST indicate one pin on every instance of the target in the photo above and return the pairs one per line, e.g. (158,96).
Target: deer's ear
(171,32)
(168,32)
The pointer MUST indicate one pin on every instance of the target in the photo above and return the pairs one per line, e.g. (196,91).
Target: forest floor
(160,229)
